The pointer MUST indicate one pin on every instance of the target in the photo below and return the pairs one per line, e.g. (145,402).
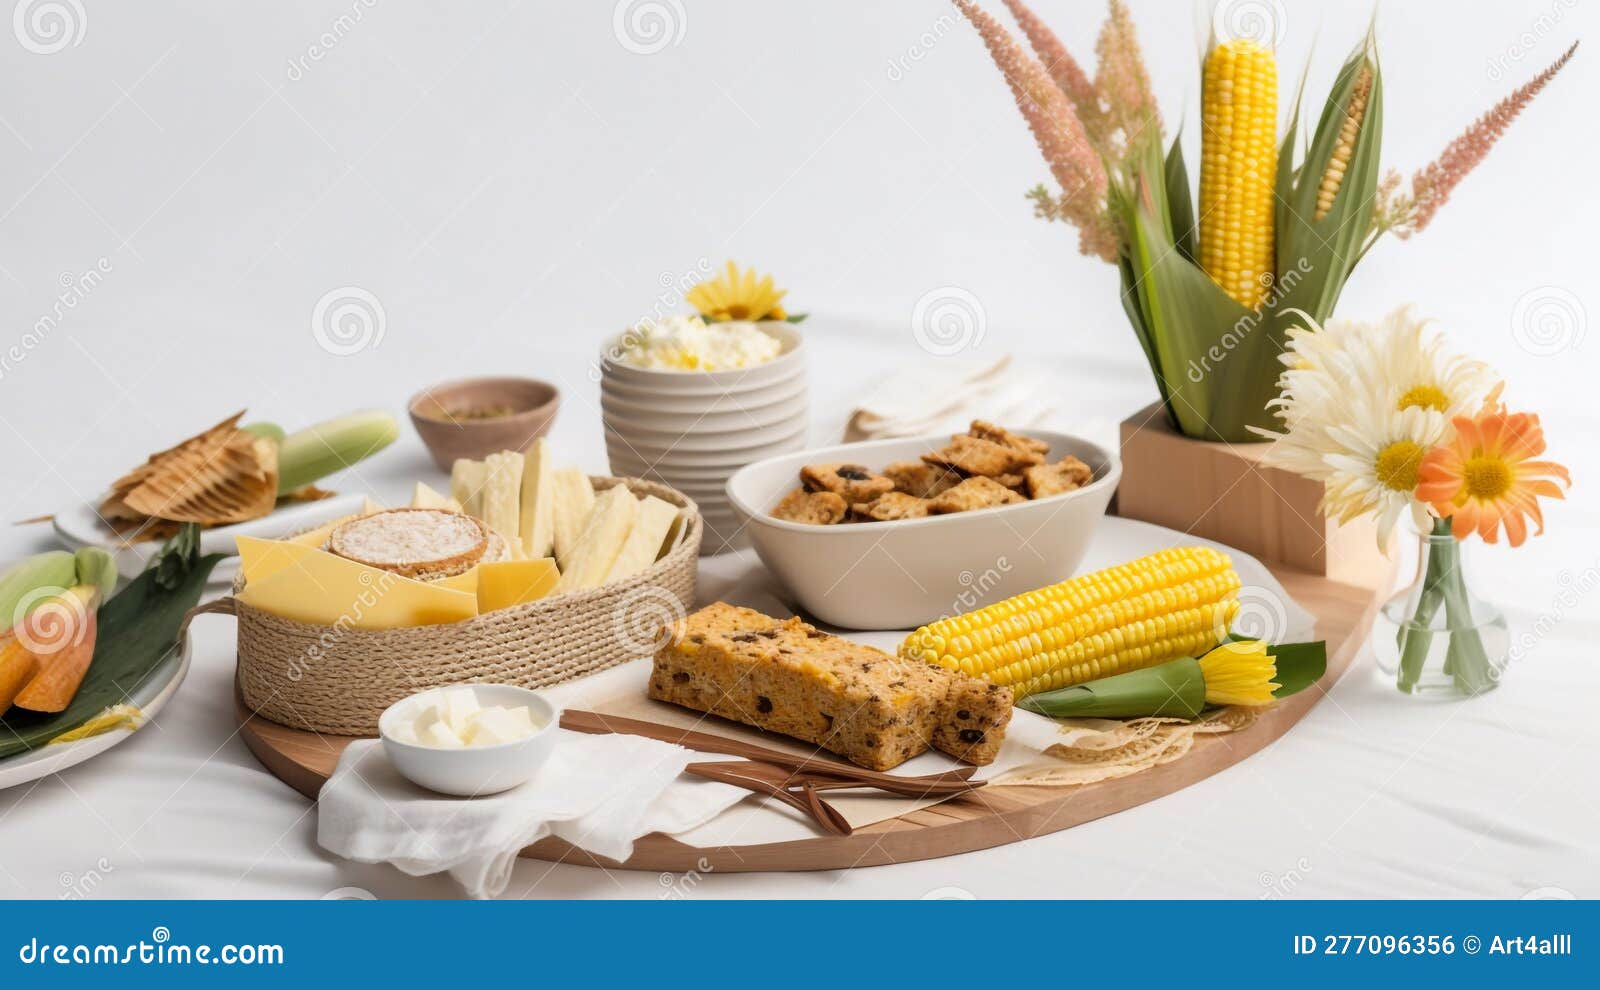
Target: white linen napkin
(944,395)
(598,792)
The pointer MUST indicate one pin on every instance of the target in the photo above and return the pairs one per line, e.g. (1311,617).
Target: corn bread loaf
(870,707)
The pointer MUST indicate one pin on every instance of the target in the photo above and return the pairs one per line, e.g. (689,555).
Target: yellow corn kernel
(1238,166)
(1168,604)
(1345,147)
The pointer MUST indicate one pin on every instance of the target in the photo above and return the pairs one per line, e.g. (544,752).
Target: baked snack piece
(976,456)
(999,434)
(891,505)
(427,544)
(921,479)
(851,482)
(816,508)
(786,676)
(1067,474)
(974,493)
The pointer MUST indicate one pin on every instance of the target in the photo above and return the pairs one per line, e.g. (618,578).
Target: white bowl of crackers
(893,534)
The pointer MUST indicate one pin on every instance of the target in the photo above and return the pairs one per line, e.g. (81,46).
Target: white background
(511,182)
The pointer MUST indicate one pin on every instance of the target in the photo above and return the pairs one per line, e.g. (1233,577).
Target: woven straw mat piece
(339,680)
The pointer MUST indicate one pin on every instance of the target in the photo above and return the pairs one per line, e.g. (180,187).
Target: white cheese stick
(538,501)
(650,527)
(466,486)
(597,548)
(502,495)
(573,501)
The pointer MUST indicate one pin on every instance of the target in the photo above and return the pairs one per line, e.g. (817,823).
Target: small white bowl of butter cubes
(471,739)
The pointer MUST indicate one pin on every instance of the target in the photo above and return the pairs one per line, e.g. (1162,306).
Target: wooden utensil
(834,772)
(775,782)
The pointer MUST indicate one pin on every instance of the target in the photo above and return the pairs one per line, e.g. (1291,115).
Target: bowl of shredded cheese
(682,396)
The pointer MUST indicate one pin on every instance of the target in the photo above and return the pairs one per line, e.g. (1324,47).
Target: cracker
(851,482)
(974,493)
(984,458)
(920,479)
(814,508)
(892,505)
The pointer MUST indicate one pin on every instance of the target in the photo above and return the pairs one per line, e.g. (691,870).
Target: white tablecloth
(509,190)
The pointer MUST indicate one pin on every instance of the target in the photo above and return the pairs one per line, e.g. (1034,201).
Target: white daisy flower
(1372,460)
(1361,404)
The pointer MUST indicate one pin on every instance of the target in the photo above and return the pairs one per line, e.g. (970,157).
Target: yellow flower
(736,295)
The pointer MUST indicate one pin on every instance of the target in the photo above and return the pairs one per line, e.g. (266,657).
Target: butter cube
(439,734)
(458,705)
(493,726)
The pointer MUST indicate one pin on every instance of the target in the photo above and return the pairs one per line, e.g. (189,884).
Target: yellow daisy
(736,295)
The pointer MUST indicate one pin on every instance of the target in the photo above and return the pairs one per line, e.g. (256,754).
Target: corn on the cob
(1169,604)
(1354,112)
(1239,160)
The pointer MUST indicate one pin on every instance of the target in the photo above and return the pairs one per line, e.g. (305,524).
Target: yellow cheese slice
(424,497)
(515,582)
(465,581)
(310,585)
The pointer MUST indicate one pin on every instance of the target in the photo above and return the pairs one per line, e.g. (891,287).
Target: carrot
(63,632)
(17,667)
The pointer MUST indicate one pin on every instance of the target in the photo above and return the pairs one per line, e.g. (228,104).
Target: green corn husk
(138,629)
(20,584)
(96,567)
(1175,689)
(311,454)
(1216,362)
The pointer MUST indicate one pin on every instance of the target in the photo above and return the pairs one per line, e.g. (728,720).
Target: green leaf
(138,628)
(1175,689)
(796,318)
(1180,205)
(1300,665)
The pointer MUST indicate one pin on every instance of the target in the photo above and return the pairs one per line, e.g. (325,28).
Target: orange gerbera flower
(1487,476)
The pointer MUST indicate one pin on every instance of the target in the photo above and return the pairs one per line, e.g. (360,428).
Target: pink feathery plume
(1056,127)
(1431,187)
(1063,68)
(1121,79)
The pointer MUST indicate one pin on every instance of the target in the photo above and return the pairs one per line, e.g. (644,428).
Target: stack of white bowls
(693,429)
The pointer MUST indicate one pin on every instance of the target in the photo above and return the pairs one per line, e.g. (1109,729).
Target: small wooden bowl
(528,411)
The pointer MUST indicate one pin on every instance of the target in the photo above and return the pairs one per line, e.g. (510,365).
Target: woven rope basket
(339,680)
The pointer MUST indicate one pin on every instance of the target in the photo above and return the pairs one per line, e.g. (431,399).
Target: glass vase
(1437,637)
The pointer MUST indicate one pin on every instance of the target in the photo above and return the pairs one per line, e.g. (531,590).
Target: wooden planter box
(1223,492)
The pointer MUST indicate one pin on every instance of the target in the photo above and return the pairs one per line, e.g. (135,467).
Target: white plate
(81,526)
(151,696)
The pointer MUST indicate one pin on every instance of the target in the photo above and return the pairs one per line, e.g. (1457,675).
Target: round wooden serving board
(985,818)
